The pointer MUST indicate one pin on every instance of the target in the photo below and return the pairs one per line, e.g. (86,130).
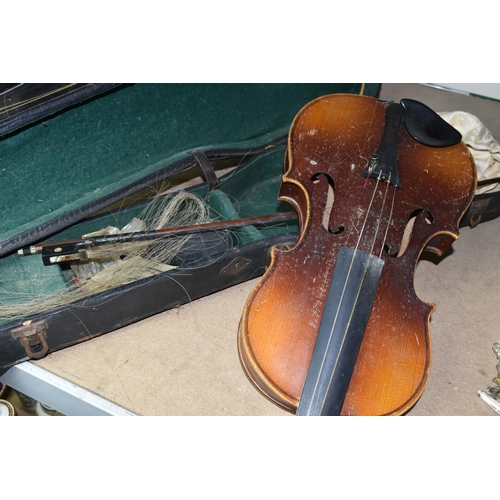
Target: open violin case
(79,158)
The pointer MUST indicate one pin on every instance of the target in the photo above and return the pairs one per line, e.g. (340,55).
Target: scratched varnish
(330,145)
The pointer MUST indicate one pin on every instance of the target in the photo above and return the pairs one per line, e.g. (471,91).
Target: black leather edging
(29,105)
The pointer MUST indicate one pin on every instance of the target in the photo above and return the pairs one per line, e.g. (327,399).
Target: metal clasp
(477,210)
(32,336)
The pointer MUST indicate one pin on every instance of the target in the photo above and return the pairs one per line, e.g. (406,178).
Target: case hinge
(235,266)
(477,210)
(32,336)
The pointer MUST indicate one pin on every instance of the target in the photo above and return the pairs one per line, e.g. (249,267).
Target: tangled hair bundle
(110,266)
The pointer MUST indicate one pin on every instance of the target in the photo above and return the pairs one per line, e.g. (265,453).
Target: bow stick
(74,250)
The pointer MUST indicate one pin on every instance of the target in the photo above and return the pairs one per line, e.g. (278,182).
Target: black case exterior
(122,306)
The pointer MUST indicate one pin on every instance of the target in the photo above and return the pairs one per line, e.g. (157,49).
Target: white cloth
(484,148)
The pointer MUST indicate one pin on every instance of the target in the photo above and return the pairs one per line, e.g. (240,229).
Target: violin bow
(75,250)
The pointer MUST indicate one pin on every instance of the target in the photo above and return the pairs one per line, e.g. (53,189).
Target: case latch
(32,336)
(478,208)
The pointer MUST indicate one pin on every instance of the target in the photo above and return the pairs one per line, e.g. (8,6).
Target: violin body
(330,145)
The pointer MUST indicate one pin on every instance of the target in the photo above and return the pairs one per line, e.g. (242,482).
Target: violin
(335,327)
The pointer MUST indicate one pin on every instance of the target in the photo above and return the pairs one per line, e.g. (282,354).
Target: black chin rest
(427,127)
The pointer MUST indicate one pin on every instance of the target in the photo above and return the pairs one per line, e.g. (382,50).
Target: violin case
(76,158)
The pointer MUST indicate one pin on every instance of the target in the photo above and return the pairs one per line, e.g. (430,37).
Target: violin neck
(350,299)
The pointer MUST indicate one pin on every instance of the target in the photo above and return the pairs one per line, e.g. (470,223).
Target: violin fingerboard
(350,299)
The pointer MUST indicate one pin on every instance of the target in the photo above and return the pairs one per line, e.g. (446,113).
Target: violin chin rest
(427,127)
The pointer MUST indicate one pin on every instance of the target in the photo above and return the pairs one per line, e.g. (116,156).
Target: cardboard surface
(181,362)
(185,361)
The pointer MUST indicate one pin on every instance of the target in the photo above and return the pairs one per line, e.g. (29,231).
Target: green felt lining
(92,150)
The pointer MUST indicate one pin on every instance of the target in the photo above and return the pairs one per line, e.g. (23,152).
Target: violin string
(361,233)
(11,107)
(339,306)
(379,220)
(388,183)
(330,337)
(375,189)
(389,219)
(388,222)
(365,270)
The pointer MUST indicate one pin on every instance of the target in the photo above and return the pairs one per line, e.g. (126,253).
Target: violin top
(370,195)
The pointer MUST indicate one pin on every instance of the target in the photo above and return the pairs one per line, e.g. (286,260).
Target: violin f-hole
(328,203)
(399,250)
